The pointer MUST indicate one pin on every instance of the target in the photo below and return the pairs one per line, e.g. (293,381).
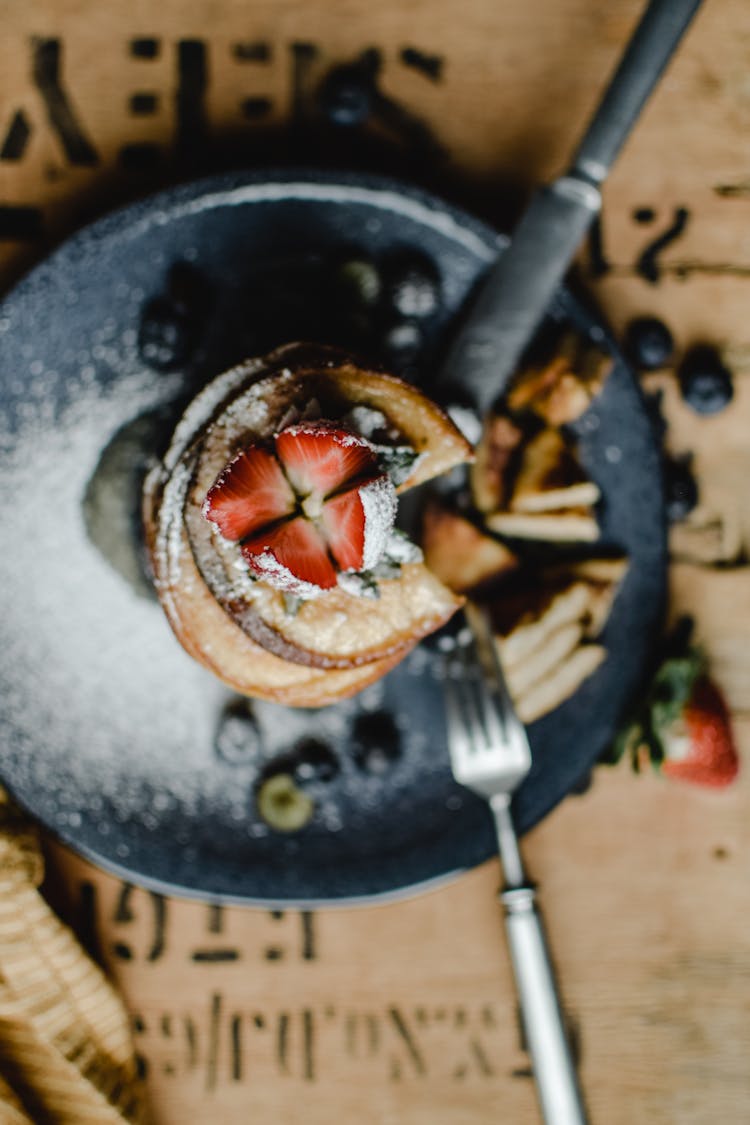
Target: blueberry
(705,382)
(188,289)
(648,343)
(237,738)
(358,282)
(314,761)
(376,742)
(680,489)
(412,286)
(282,805)
(164,336)
(346,96)
(401,342)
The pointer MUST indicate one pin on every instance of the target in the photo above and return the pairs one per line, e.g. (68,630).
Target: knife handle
(652,44)
(515,293)
(559,1094)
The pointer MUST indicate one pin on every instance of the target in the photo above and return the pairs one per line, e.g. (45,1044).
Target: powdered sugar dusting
(281,578)
(370,422)
(401,549)
(84,656)
(105,718)
(351,440)
(379,502)
(203,406)
(107,724)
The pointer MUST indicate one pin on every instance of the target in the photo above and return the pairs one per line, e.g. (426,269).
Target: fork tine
(504,710)
(459,708)
(488,746)
(473,727)
(493,712)
(458,730)
(471,687)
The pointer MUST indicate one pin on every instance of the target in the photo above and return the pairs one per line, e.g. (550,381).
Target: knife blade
(517,290)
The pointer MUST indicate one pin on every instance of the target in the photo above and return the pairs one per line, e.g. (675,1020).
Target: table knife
(518,289)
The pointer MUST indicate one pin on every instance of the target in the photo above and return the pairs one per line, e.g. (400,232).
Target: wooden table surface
(405,1013)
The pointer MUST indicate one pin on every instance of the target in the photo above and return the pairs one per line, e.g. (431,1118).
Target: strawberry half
(320,505)
(291,556)
(251,492)
(320,458)
(356,523)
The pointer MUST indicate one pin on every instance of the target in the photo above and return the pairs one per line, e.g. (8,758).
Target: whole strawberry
(683,726)
(699,746)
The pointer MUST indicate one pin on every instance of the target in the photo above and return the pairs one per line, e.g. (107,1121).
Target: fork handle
(548,1046)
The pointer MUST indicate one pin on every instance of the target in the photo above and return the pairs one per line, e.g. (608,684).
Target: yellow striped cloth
(66,1055)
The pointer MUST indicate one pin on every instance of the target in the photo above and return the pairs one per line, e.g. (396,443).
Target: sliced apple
(459,553)
(562,388)
(550,477)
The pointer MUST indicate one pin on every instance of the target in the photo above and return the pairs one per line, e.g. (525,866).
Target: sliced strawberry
(343,523)
(291,556)
(251,492)
(320,457)
(321,493)
(356,523)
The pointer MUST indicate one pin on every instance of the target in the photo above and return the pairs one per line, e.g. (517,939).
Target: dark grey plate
(108,730)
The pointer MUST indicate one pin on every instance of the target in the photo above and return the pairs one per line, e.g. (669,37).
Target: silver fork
(490,755)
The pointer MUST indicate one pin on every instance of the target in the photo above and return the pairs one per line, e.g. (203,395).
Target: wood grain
(516,83)
(409,1007)
(405,1012)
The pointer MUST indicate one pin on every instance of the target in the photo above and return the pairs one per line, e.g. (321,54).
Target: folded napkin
(66,1056)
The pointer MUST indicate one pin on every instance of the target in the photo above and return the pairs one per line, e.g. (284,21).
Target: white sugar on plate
(104,715)
(379,502)
(85,660)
